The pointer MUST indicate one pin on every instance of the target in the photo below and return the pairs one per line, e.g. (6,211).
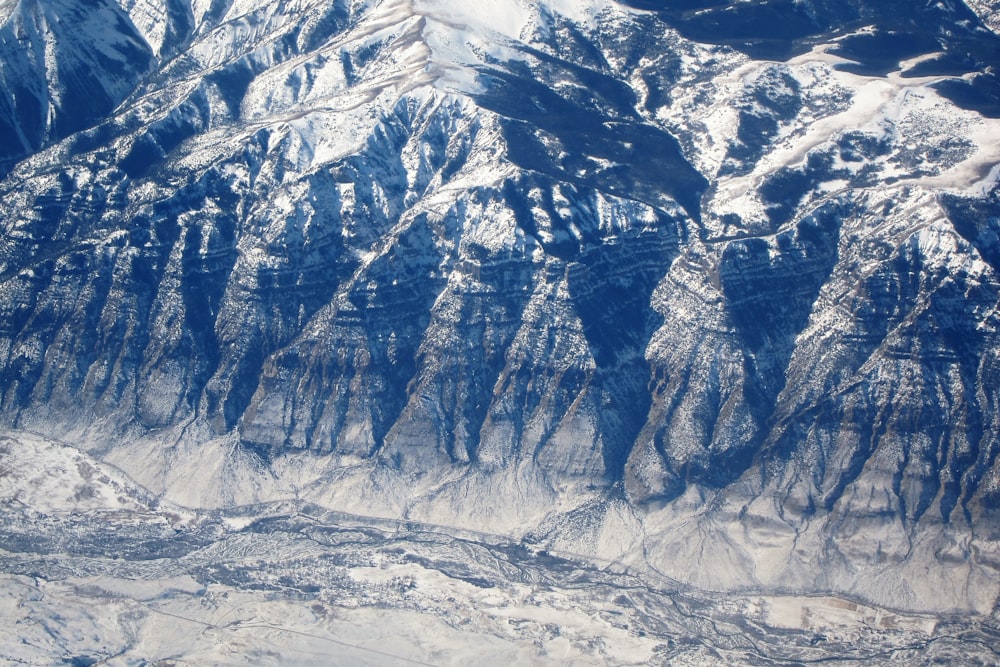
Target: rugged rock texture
(730,266)
(64,65)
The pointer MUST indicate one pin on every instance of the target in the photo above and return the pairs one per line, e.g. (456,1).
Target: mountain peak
(730,266)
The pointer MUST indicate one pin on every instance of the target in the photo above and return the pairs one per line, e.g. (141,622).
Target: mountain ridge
(525,268)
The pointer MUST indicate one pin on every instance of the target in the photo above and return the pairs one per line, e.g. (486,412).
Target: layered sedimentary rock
(723,277)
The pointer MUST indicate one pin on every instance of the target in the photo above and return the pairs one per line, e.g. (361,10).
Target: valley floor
(101,574)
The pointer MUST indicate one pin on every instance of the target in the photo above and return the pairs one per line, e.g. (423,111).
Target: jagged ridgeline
(717,275)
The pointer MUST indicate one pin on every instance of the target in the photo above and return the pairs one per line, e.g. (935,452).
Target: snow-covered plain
(291,583)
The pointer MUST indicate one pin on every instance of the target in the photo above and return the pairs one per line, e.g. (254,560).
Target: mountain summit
(639,280)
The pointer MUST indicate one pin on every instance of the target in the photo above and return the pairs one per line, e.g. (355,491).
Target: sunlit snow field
(96,571)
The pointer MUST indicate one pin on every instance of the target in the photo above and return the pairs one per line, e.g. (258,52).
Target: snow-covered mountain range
(703,287)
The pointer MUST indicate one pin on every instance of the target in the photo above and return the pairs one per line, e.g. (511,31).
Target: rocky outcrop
(426,258)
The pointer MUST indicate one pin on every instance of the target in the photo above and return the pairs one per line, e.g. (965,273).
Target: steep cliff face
(732,267)
(65,65)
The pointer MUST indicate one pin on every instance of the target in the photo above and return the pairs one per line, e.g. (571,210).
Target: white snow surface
(289,583)
(47,477)
(905,110)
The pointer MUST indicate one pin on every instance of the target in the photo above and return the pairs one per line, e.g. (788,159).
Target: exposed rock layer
(505,270)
